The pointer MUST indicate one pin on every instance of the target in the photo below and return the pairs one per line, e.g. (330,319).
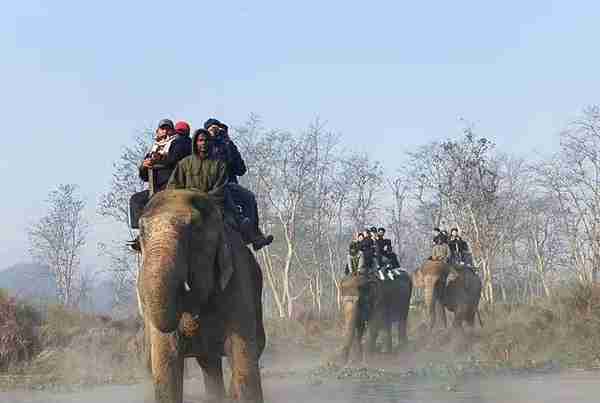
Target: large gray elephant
(453,287)
(199,292)
(387,302)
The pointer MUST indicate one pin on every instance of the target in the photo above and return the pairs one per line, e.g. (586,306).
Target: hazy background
(78,80)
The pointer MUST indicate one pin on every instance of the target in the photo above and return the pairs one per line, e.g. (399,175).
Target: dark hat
(373,229)
(210,122)
(381,229)
(453,229)
(182,128)
(166,122)
(436,229)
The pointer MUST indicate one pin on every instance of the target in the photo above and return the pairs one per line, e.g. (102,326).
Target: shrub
(18,336)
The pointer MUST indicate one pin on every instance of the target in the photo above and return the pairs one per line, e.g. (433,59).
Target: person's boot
(135,244)
(261,241)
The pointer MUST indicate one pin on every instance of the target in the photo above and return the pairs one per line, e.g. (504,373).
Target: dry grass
(19,338)
(564,328)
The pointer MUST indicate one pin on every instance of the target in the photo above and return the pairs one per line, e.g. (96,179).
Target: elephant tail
(479,317)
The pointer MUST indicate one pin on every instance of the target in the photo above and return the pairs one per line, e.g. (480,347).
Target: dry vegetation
(62,347)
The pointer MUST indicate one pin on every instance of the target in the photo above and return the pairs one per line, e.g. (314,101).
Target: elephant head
(181,233)
(428,277)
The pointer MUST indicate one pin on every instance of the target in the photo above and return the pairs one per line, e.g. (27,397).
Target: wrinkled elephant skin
(389,302)
(191,305)
(456,288)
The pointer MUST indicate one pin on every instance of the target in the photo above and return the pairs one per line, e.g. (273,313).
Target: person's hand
(147,163)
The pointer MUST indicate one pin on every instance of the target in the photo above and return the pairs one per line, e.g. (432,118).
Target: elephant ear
(225,259)
(417,278)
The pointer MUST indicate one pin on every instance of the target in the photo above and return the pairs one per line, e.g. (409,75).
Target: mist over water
(572,386)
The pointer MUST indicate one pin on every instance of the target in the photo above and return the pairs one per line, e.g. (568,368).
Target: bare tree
(57,239)
(464,183)
(574,179)
(114,205)
(366,178)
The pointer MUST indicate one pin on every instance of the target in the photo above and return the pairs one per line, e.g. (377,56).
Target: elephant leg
(470,317)
(167,366)
(212,369)
(360,331)
(402,337)
(387,328)
(245,374)
(374,328)
(147,349)
(443,314)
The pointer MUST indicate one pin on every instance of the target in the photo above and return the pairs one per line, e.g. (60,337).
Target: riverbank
(73,351)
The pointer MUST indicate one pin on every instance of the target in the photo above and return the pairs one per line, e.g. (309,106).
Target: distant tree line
(531,225)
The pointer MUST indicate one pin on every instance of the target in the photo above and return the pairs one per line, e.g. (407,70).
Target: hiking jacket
(180,148)
(225,149)
(205,175)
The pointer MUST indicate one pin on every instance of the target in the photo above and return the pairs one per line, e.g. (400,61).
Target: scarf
(162,146)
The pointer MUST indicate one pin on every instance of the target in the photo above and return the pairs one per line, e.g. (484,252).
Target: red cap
(182,128)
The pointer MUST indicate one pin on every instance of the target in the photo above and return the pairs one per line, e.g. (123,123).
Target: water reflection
(574,386)
(579,387)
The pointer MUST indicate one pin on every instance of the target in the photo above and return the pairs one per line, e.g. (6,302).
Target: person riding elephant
(440,250)
(440,236)
(385,250)
(199,288)
(225,149)
(367,246)
(458,248)
(355,261)
(172,145)
(200,172)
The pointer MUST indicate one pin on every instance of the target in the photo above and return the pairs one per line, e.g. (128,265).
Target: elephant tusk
(381,277)
(186,286)
(390,275)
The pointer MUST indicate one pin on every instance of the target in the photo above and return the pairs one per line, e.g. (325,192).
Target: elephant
(453,287)
(387,303)
(199,294)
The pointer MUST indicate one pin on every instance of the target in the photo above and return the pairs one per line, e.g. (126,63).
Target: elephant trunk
(429,282)
(163,274)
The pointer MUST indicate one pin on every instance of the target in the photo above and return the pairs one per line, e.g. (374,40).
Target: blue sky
(79,79)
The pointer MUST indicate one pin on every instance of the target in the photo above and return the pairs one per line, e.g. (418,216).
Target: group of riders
(211,163)
(208,162)
(451,248)
(370,251)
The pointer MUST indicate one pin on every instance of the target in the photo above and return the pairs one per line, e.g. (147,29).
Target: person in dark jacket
(367,246)
(172,145)
(440,237)
(384,249)
(355,263)
(225,149)
(458,247)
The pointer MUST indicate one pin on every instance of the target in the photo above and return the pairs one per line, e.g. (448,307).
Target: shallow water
(572,386)
(581,387)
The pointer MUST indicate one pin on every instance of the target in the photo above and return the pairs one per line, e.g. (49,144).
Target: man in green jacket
(198,172)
